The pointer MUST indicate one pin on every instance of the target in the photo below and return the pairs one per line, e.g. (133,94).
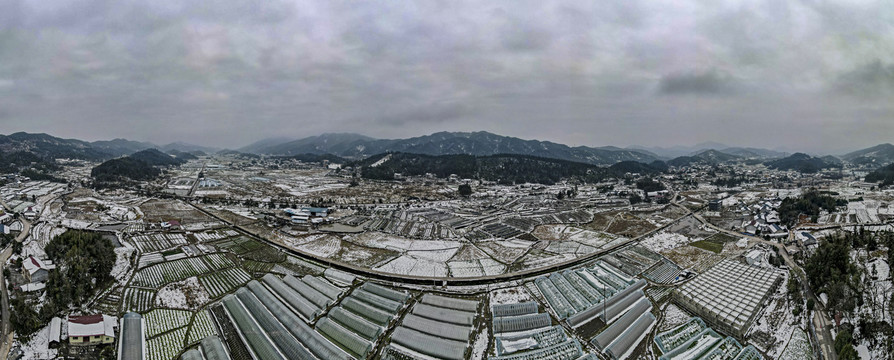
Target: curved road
(452,281)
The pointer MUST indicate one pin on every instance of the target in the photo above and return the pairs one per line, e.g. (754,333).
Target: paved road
(195,185)
(823,335)
(427,280)
(4,339)
(5,332)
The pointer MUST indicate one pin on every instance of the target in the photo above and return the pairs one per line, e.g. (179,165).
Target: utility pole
(604,302)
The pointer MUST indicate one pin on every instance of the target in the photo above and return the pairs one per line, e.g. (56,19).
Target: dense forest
(649,185)
(504,169)
(183,155)
(84,262)
(809,203)
(883,175)
(28,165)
(156,158)
(834,271)
(124,169)
(800,162)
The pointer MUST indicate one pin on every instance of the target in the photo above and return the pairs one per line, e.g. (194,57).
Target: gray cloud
(227,73)
(705,83)
(871,80)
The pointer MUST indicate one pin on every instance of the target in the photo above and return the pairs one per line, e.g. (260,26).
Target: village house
(91,329)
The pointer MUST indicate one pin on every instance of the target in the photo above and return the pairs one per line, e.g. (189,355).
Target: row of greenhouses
(695,340)
(362,317)
(521,332)
(571,292)
(210,348)
(438,326)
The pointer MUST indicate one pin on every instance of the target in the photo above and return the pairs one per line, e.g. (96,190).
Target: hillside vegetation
(504,169)
(883,175)
(124,169)
(800,162)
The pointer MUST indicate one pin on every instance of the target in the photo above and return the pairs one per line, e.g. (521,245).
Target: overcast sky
(814,75)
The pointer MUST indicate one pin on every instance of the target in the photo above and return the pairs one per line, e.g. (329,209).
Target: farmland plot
(158,242)
(167,346)
(160,274)
(138,300)
(218,261)
(215,235)
(202,326)
(159,321)
(257,266)
(471,268)
(223,282)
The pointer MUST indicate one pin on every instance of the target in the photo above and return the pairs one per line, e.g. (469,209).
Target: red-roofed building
(36,270)
(91,329)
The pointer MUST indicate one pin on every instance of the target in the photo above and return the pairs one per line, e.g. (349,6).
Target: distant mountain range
(707,157)
(447,143)
(46,148)
(682,151)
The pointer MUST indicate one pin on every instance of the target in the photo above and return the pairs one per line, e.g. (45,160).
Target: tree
(84,263)
(465,190)
(843,339)
(848,353)
(24,319)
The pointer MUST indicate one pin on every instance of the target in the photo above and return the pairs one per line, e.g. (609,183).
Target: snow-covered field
(662,241)
(186,294)
(798,347)
(510,295)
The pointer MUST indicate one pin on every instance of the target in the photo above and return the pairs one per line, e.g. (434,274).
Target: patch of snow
(664,241)
(187,294)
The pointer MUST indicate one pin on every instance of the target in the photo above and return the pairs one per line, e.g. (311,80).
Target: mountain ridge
(480,143)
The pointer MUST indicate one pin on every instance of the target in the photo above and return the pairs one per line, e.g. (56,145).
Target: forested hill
(124,169)
(156,158)
(883,175)
(139,166)
(503,168)
(801,162)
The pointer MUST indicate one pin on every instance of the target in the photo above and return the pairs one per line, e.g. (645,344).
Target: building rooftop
(92,325)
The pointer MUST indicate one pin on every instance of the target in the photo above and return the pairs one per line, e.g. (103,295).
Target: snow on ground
(434,255)
(673,317)
(775,323)
(479,347)
(325,247)
(187,294)
(882,270)
(798,347)
(38,347)
(411,265)
(123,257)
(510,295)
(33,248)
(662,241)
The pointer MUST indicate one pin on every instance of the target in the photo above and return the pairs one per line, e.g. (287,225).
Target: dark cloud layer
(227,72)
